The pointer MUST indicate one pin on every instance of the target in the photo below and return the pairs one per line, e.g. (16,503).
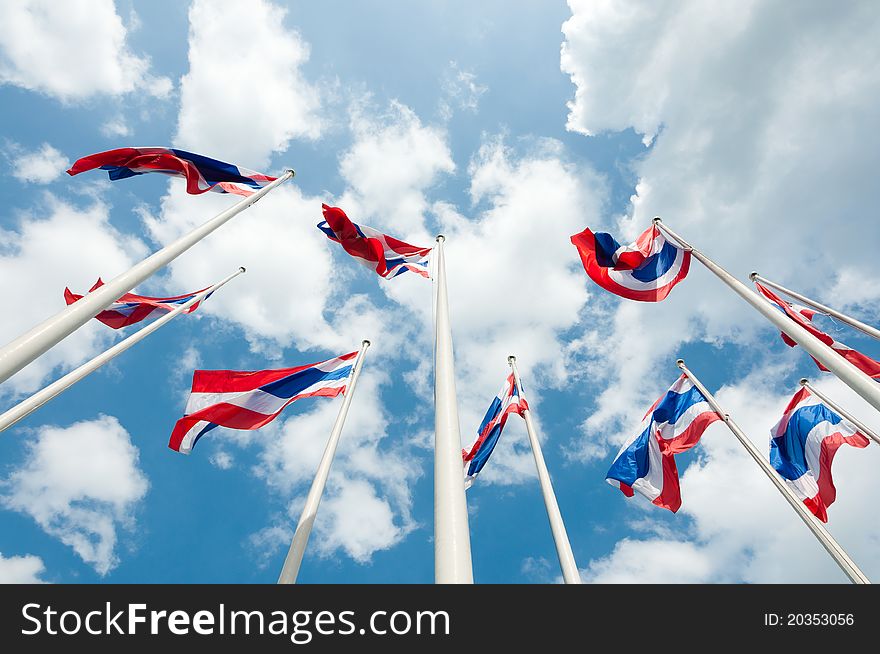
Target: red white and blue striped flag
(802,446)
(506,402)
(202,173)
(249,400)
(646,462)
(646,270)
(804,317)
(131,308)
(386,255)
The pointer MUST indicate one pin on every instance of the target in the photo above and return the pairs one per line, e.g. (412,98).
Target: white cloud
(115,127)
(245,102)
(651,561)
(39,252)
(761,142)
(80,484)
(21,569)
(38,166)
(222,460)
(461,90)
(275,240)
(392,162)
(516,246)
(734,525)
(367,505)
(71,50)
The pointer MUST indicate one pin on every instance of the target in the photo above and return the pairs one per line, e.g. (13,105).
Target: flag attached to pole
(646,462)
(506,402)
(131,308)
(202,173)
(804,317)
(646,270)
(249,400)
(386,255)
(802,446)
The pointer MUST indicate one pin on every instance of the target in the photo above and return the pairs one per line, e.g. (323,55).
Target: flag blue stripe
(656,265)
(674,405)
(633,462)
(788,452)
(298,382)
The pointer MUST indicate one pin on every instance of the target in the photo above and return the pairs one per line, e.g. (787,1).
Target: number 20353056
(809,619)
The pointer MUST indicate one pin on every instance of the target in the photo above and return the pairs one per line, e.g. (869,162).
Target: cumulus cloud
(393,161)
(759,141)
(734,525)
(39,253)
(80,483)
(222,460)
(72,50)
(367,506)
(21,569)
(115,127)
(521,204)
(246,102)
(39,166)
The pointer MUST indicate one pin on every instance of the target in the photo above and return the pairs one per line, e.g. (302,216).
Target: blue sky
(509,127)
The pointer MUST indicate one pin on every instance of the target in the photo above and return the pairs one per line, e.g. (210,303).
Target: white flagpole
(570,572)
(17,354)
(827,540)
(834,406)
(452,541)
(38,399)
(294,558)
(842,317)
(843,369)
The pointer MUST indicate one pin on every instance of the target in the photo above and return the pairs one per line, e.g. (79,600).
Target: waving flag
(201,173)
(646,270)
(506,402)
(385,254)
(804,317)
(249,400)
(131,308)
(802,446)
(646,462)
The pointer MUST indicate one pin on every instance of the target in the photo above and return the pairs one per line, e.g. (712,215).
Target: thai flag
(802,446)
(201,173)
(646,462)
(385,254)
(131,308)
(249,400)
(506,402)
(646,270)
(804,317)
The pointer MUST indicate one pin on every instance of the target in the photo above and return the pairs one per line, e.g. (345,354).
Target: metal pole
(834,406)
(452,541)
(570,572)
(843,369)
(38,399)
(16,355)
(831,546)
(294,558)
(842,317)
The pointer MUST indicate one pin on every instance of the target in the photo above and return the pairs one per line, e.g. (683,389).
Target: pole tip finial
(657,220)
(291,171)
(440,238)
(511,359)
(365,343)
(242,269)
(679,362)
(804,381)
(752,275)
